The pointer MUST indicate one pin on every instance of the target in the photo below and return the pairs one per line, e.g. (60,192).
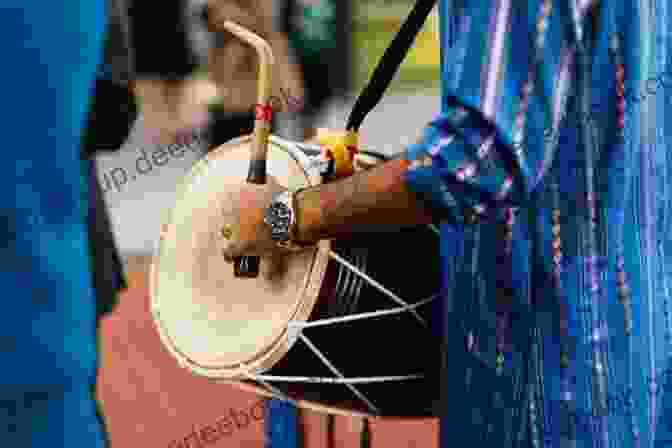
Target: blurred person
(113,113)
(48,337)
(549,167)
(163,64)
(48,333)
(135,79)
(110,118)
(319,32)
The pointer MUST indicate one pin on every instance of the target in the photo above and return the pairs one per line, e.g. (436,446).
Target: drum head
(215,324)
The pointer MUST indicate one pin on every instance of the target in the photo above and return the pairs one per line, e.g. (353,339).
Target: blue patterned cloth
(550,162)
(48,350)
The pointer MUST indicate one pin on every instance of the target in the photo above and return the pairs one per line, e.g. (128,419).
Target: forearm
(377,199)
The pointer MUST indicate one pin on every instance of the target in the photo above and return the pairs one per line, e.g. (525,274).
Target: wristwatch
(281,217)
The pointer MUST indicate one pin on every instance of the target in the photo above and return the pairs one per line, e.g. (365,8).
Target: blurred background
(375,23)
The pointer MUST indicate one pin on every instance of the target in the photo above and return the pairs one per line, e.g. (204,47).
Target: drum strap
(370,96)
(389,63)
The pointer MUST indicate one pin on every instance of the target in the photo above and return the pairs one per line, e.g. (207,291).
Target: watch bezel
(279,222)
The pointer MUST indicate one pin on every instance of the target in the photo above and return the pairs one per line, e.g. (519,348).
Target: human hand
(249,235)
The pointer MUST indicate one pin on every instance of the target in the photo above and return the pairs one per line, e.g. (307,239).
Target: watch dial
(278,216)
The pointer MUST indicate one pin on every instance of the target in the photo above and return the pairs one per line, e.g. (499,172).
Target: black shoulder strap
(389,63)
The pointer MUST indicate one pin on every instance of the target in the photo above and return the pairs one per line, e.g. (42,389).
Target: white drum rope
(376,285)
(320,380)
(295,327)
(279,394)
(336,372)
(368,315)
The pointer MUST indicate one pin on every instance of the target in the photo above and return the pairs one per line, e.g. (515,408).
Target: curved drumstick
(249,266)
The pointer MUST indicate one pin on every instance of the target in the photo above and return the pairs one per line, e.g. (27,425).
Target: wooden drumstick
(249,266)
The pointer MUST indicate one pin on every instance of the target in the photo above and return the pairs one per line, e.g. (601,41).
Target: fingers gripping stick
(249,266)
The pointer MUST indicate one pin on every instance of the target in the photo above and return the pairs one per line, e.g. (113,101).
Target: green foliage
(371,37)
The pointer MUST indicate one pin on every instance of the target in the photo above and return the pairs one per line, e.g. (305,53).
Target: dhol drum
(346,329)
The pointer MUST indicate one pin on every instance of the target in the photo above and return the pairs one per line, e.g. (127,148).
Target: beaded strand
(622,284)
(598,326)
(566,392)
(536,378)
(503,317)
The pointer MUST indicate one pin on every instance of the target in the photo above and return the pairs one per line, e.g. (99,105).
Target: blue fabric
(48,346)
(557,221)
(281,424)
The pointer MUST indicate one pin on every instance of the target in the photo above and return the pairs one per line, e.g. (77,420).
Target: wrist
(280,217)
(308,219)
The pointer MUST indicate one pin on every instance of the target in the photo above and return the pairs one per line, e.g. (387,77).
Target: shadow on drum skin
(272,269)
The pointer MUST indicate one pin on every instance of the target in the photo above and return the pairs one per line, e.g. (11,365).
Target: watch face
(278,216)
(281,210)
